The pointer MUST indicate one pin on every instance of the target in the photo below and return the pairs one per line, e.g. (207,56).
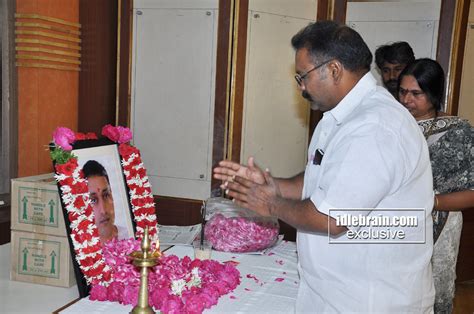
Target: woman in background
(450,142)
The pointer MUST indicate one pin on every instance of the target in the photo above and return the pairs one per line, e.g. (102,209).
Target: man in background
(391,59)
(102,200)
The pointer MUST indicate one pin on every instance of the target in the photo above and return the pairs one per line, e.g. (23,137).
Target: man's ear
(336,71)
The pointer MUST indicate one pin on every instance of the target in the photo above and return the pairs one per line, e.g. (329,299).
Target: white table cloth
(269,284)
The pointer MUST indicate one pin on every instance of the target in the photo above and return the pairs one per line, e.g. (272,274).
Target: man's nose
(99,207)
(393,75)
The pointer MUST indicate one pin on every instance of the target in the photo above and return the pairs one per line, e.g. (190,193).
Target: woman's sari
(450,142)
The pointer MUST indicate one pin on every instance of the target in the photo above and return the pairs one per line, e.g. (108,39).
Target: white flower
(66,189)
(60,177)
(177,286)
(195,279)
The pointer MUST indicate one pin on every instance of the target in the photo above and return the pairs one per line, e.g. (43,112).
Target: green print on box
(38,207)
(39,258)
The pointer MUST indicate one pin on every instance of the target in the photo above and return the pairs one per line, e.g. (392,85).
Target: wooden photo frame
(94,172)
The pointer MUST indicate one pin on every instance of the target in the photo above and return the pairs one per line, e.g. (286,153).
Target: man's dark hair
(327,40)
(398,52)
(430,77)
(94,169)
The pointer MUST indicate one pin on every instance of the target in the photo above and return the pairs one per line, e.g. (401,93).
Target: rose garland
(141,196)
(84,233)
(175,285)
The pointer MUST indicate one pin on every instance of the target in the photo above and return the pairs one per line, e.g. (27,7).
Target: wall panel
(275,116)
(47,98)
(173,96)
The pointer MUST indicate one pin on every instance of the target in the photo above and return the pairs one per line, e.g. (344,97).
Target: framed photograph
(107,190)
(106,198)
(107,193)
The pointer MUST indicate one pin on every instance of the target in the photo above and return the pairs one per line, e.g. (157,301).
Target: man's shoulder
(383,112)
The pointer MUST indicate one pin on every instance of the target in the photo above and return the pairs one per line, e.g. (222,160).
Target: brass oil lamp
(144,259)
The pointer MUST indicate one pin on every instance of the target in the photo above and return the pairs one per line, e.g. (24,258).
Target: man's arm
(267,200)
(291,188)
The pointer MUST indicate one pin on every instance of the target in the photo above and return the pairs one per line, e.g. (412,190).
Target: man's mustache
(392,83)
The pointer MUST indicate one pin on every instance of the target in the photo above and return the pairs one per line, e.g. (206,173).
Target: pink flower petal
(240,234)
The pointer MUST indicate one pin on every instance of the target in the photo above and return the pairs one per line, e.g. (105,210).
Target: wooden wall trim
(221,104)
(339,11)
(124,63)
(456,49)
(324,9)
(9,96)
(238,79)
(97,80)
(13,92)
(445,33)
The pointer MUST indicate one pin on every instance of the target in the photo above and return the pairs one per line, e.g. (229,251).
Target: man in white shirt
(366,153)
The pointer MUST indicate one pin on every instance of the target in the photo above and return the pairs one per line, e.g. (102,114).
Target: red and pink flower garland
(84,233)
(141,196)
(175,285)
(75,196)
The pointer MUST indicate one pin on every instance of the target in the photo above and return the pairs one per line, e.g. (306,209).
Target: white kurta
(374,157)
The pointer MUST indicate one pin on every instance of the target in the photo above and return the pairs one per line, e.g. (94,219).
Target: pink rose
(209,296)
(64,137)
(117,134)
(157,297)
(130,295)
(98,292)
(114,292)
(194,304)
(172,305)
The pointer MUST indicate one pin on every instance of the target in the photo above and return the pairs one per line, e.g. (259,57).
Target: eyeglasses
(300,77)
(415,93)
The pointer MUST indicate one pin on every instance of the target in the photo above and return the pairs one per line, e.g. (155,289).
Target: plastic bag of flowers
(231,228)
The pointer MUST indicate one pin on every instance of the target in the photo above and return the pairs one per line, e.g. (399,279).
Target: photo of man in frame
(102,201)
(107,191)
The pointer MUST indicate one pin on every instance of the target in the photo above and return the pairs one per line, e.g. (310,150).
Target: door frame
(9,130)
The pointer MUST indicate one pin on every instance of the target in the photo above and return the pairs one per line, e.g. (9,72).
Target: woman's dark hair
(330,40)
(93,168)
(398,52)
(430,77)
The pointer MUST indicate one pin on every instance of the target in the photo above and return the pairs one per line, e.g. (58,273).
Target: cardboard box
(36,206)
(41,259)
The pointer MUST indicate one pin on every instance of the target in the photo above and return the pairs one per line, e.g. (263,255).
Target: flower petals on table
(175,285)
